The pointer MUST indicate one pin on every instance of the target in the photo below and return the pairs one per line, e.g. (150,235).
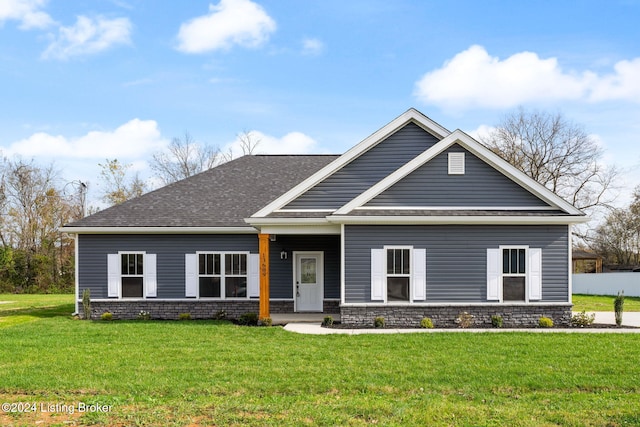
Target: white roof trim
(456,219)
(411,115)
(158,230)
(477,149)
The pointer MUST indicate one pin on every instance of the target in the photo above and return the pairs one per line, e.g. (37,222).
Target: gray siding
(281,271)
(431,185)
(366,170)
(456,257)
(170,250)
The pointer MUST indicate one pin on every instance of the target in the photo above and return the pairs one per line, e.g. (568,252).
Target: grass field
(198,373)
(603,303)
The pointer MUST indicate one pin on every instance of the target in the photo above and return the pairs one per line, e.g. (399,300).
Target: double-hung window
(222,275)
(398,274)
(514,274)
(132,270)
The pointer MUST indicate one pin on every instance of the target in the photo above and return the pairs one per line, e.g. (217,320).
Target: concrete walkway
(628,319)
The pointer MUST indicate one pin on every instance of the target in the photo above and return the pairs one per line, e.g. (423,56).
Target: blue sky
(86,80)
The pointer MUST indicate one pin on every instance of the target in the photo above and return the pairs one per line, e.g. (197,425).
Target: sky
(82,81)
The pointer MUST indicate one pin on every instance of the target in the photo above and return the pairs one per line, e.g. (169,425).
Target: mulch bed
(338,325)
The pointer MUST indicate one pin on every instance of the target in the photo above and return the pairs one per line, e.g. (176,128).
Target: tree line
(35,201)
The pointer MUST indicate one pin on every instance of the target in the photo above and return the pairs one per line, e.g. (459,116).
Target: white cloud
(481,132)
(133,139)
(28,12)
(228,23)
(473,78)
(88,36)
(312,47)
(291,143)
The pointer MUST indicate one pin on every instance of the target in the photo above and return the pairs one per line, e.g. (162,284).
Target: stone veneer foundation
(445,316)
(199,309)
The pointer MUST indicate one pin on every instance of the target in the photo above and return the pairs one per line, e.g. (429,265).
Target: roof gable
(480,186)
(410,116)
(482,153)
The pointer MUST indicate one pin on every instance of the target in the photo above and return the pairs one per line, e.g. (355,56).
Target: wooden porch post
(264,275)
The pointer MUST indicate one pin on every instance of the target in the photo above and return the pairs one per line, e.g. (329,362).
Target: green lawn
(214,373)
(602,303)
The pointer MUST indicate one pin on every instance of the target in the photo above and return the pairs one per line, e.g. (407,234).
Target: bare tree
(248,142)
(557,153)
(185,157)
(617,239)
(118,186)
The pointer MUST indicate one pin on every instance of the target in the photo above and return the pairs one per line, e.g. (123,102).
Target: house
(586,262)
(413,221)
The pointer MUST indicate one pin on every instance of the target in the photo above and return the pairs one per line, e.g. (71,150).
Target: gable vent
(456,163)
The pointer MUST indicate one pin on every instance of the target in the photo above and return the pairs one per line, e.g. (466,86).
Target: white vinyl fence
(607,284)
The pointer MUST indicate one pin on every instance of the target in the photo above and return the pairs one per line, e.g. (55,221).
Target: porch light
(283,254)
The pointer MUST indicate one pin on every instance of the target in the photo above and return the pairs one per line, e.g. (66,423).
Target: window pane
(139,263)
(243,264)
(124,263)
(398,289)
(505,261)
(215,263)
(210,287)
(235,287)
(405,261)
(132,287)
(514,261)
(202,264)
(521,261)
(513,289)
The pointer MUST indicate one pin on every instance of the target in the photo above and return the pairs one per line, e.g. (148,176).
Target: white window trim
(387,275)
(503,274)
(222,275)
(143,275)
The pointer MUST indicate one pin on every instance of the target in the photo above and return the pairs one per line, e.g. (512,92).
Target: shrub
(184,316)
(545,322)
(220,315)
(583,319)
(426,323)
(144,315)
(327,321)
(107,316)
(248,319)
(618,306)
(465,320)
(496,321)
(86,304)
(266,321)
(378,322)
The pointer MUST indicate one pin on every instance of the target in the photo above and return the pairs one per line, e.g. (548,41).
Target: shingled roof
(220,197)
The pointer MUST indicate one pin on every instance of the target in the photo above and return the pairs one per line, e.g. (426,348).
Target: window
(398,274)
(222,275)
(514,274)
(132,270)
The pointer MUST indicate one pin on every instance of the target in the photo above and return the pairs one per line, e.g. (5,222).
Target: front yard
(201,373)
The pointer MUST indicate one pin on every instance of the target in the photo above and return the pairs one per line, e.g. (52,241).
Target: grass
(201,373)
(603,303)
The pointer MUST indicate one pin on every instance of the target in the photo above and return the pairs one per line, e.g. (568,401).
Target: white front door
(308,284)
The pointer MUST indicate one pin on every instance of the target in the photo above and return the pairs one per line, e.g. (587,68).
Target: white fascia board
(443,220)
(411,115)
(456,208)
(461,138)
(285,221)
(517,175)
(158,230)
